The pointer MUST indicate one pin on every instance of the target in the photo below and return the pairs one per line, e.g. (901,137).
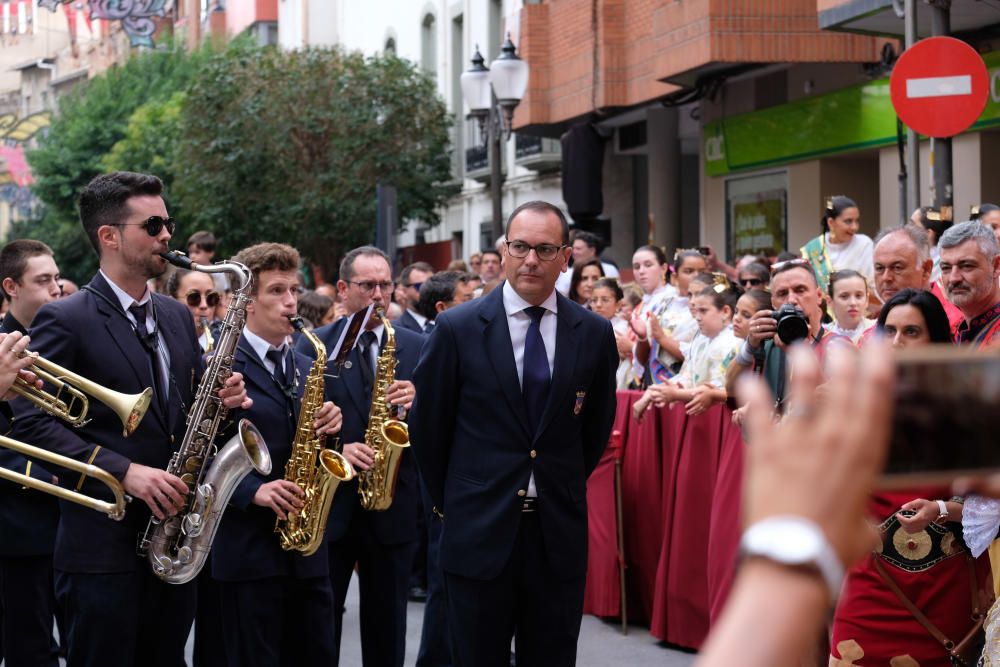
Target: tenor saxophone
(317,470)
(177,547)
(387,437)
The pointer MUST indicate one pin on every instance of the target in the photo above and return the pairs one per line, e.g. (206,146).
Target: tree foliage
(289,146)
(91,120)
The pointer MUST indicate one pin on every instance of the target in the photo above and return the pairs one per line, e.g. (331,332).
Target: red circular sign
(939,86)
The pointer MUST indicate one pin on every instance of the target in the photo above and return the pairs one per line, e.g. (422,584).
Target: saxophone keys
(184,555)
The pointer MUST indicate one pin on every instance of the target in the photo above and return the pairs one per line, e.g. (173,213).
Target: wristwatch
(796,542)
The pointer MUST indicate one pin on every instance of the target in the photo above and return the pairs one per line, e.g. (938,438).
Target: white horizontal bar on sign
(939,86)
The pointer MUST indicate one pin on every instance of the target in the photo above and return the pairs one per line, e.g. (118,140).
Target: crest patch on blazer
(578,406)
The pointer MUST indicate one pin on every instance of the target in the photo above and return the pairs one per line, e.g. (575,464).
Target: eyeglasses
(194,297)
(788,263)
(153,225)
(368,286)
(751,282)
(545,251)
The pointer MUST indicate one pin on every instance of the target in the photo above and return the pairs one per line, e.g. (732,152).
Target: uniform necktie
(367,369)
(148,340)
(429,326)
(535,375)
(281,373)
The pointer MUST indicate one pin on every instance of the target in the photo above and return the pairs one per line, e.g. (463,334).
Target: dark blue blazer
(89,334)
(469,430)
(28,518)
(398,524)
(246,548)
(408,321)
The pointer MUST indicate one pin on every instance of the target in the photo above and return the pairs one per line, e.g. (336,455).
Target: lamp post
(492,94)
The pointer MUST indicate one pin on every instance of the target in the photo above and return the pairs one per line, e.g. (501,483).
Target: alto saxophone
(387,437)
(316,470)
(177,547)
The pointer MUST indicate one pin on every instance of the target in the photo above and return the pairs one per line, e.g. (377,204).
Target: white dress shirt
(518,322)
(126,302)
(261,348)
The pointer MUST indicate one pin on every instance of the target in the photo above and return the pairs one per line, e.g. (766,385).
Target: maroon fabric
(726,522)
(677,474)
(602,596)
(681,605)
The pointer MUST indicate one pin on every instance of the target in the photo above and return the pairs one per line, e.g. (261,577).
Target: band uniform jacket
(246,547)
(397,524)
(90,335)
(407,321)
(470,433)
(28,518)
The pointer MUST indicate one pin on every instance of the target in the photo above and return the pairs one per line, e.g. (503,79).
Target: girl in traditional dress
(848,292)
(922,555)
(840,246)
(663,325)
(606,297)
(702,378)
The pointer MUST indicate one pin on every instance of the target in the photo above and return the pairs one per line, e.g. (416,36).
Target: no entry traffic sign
(939,86)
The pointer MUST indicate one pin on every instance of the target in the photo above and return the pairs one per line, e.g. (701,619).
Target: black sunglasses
(751,282)
(193,299)
(154,224)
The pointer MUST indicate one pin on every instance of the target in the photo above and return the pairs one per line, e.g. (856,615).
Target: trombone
(115,510)
(130,408)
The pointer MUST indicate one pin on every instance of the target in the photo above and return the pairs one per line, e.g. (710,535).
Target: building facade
(441,37)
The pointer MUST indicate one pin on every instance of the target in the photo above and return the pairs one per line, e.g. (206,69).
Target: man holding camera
(797,315)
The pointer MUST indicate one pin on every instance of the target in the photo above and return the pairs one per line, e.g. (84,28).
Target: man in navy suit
(381,544)
(411,279)
(516,398)
(30,279)
(116,333)
(277,606)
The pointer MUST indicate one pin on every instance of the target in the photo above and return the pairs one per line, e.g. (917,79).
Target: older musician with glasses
(196,290)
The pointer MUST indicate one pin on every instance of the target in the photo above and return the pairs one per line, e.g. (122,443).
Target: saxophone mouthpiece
(178,259)
(297,322)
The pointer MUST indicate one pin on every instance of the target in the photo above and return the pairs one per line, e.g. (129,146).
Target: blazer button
(522,493)
(533,453)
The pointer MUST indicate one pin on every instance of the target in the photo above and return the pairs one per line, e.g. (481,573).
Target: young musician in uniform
(277,606)
(30,279)
(114,332)
(380,543)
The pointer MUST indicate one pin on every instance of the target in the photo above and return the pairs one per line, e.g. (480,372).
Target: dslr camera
(792,324)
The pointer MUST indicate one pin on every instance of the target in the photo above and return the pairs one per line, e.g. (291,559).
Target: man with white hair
(970,267)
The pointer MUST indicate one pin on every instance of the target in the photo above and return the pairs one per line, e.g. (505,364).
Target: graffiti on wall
(136,16)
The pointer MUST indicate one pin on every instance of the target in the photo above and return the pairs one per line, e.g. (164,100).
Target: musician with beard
(116,333)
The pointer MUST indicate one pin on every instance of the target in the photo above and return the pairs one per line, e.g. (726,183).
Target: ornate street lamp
(492,95)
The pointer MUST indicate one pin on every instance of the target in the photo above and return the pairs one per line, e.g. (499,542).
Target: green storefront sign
(850,119)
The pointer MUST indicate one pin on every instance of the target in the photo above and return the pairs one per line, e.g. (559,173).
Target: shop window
(757,215)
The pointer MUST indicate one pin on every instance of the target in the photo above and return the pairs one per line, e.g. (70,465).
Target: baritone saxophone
(314,468)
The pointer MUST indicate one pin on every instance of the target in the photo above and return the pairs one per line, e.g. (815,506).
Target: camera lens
(792,324)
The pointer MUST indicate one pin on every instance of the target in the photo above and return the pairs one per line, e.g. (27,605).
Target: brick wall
(587,55)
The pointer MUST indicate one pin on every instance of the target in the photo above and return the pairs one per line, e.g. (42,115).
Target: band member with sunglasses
(197,290)
(116,333)
(28,519)
(380,544)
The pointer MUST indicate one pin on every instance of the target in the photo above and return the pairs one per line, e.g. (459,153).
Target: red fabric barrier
(680,496)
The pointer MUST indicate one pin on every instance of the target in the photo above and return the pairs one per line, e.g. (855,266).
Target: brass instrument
(316,470)
(74,406)
(178,546)
(387,437)
(115,510)
(206,328)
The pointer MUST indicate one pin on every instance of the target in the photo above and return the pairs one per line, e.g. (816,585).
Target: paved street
(601,644)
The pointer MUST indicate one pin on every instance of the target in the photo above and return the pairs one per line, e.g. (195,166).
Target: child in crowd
(848,300)
(746,308)
(702,378)
(605,300)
